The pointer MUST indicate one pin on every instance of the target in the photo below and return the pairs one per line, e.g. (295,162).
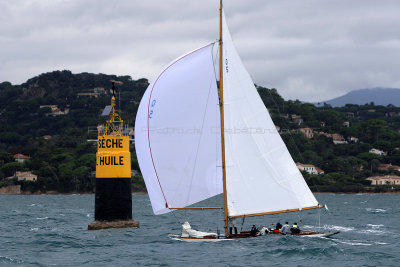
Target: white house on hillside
(382,180)
(378,152)
(24,176)
(21,158)
(311,169)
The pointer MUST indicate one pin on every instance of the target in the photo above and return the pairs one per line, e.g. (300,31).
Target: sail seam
(148,115)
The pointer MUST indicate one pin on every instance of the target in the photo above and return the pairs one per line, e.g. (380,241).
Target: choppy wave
(6,259)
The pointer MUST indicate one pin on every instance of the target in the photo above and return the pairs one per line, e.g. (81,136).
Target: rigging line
(300,220)
(241,228)
(148,115)
(176,217)
(220,213)
(319,219)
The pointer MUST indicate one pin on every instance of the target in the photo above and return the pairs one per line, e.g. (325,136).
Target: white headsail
(176,133)
(261,174)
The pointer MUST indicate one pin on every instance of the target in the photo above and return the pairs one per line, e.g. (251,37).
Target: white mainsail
(177,133)
(261,176)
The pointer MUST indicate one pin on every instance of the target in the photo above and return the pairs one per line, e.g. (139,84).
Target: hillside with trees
(52,119)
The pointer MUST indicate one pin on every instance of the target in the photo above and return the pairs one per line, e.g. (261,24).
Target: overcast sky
(311,50)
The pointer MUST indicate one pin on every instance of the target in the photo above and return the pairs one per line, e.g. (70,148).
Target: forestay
(177,133)
(261,175)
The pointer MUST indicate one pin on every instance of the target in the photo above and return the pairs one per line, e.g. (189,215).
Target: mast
(221,109)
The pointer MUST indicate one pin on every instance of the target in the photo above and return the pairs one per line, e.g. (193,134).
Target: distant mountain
(380,96)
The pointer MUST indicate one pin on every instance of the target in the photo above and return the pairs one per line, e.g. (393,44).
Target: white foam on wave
(380,210)
(35,229)
(10,259)
(376,210)
(338,228)
(375,225)
(31,205)
(354,243)
(42,218)
(372,231)
(330,227)
(359,242)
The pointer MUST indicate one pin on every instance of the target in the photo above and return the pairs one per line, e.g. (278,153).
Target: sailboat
(195,141)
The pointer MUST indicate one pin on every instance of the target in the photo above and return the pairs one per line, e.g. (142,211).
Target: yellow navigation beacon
(113,159)
(113,195)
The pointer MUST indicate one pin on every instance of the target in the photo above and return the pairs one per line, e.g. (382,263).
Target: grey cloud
(309,49)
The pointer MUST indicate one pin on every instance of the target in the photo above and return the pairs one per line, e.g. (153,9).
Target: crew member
(285,228)
(264,230)
(232,223)
(254,231)
(295,229)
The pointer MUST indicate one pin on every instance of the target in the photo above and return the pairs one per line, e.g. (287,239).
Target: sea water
(51,230)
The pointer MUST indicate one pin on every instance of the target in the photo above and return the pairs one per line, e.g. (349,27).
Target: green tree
(10,168)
